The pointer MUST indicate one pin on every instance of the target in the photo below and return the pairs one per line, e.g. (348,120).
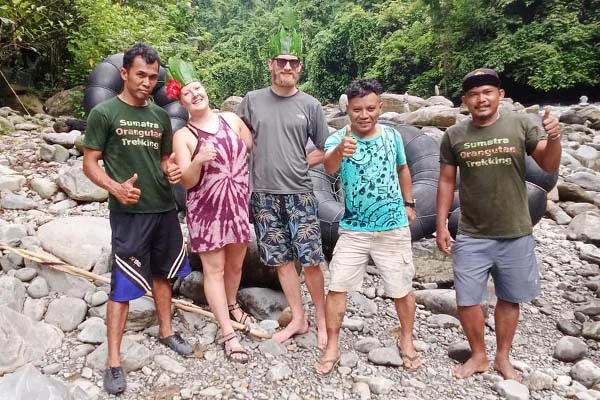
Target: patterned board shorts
(287,228)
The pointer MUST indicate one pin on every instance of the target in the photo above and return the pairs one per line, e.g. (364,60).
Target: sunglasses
(281,62)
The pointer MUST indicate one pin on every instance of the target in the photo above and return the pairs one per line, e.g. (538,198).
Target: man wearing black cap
(494,231)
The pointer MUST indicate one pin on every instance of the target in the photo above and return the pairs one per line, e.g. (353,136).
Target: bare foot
(321,334)
(505,368)
(295,327)
(472,366)
(411,358)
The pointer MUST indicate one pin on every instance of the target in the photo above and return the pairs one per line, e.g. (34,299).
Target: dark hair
(143,50)
(363,87)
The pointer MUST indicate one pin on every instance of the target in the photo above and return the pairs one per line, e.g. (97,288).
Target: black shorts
(145,246)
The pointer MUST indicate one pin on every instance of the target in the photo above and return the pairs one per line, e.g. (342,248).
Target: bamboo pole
(55,263)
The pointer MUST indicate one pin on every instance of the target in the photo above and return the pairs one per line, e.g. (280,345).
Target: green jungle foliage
(409,45)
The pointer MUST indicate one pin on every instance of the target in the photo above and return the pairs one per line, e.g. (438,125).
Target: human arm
(406,188)
(124,192)
(315,157)
(191,169)
(318,133)
(547,152)
(445,196)
(339,145)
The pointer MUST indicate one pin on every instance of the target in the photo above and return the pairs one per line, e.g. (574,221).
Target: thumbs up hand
(347,146)
(126,193)
(174,173)
(207,152)
(550,124)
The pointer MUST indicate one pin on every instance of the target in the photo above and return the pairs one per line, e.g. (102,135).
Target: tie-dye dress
(217,207)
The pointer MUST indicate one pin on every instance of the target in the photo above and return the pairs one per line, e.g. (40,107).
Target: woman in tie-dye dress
(211,150)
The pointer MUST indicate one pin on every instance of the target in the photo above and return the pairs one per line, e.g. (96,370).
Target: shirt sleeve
(533,134)
(400,154)
(167,137)
(243,111)
(318,127)
(97,130)
(335,139)
(447,156)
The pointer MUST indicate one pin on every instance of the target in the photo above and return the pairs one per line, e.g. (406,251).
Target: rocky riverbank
(52,331)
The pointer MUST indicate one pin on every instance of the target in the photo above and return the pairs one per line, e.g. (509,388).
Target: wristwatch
(410,204)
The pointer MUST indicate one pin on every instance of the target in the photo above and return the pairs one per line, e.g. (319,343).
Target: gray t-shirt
(281,127)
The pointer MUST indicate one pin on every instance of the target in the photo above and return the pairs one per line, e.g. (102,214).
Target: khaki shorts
(391,252)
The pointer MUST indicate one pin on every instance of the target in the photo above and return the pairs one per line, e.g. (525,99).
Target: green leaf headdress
(287,40)
(179,74)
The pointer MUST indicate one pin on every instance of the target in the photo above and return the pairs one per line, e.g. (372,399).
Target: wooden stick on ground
(55,263)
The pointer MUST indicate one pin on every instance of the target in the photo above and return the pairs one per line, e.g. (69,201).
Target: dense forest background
(545,48)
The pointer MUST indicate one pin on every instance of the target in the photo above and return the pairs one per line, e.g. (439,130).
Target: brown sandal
(229,351)
(246,318)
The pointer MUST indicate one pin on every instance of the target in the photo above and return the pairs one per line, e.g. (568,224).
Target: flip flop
(411,361)
(334,363)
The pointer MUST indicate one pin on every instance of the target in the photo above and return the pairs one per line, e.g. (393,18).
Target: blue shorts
(145,246)
(287,228)
(511,262)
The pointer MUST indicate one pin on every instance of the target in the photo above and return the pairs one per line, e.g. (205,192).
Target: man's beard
(284,80)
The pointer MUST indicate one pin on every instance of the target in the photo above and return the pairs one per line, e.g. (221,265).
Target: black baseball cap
(480,77)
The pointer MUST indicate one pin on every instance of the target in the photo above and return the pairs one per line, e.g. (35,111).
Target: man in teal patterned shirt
(379,208)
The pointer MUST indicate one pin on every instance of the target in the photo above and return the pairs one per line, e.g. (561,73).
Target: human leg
(472,262)
(335,308)
(315,283)
(506,316)
(290,284)
(213,266)
(234,259)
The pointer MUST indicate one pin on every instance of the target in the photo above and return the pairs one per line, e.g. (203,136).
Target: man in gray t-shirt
(282,203)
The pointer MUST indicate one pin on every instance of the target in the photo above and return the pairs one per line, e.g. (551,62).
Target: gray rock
(133,356)
(262,303)
(385,356)
(365,306)
(349,359)
(6,126)
(574,209)
(587,180)
(586,372)
(23,340)
(592,308)
(361,390)
(35,308)
(587,156)
(62,207)
(27,126)
(570,349)
(279,372)
(272,347)
(353,324)
(443,321)
(568,327)
(98,298)
(80,241)
(367,344)
(81,351)
(380,385)
(192,287)
(557,213)
(25,274)
(459,351)
(590,253)
(142,314)
(61,154)
(60,282)
(78,187)
(584,228)
(431,265)
(168,364)
(93,333)
(66,313)
(307,340)
(438,301)
(65,139)
(11,183)
(12,293)
(439,116)
(512,390)
(46,152)
(11,234)
(28,383)
(572,192)
(230,104)
(52,369)
(401,103)
(537,381)
(439,101)
(11,201)
(38,288)
(44,187)
(193,321)
(591,330)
